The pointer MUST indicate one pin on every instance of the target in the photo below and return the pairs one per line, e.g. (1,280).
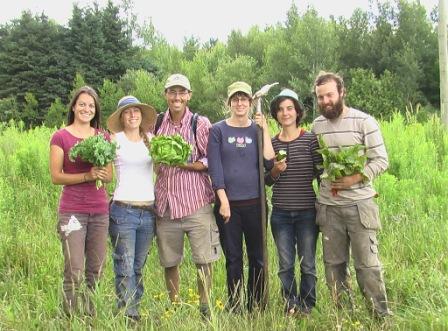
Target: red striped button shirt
(184,191)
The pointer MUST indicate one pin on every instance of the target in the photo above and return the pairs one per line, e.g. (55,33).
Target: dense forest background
(387,55)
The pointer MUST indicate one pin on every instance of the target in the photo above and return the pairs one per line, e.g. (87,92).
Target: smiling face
(177,98)
(330,100)
(287,114)
(84,108)
(240,105)
(131,118)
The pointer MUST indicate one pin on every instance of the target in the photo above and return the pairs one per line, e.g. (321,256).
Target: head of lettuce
(170,150)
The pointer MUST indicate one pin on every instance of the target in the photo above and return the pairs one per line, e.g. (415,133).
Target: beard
(334,111)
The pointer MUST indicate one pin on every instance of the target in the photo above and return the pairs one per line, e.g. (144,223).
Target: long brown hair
(145,138)
(95,121)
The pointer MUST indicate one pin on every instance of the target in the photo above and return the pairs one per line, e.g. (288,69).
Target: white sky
(204,19)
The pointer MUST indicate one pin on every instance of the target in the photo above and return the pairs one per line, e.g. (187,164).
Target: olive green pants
(353,227)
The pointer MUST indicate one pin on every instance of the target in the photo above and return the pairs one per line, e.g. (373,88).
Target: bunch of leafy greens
(170,150)
(346,161)
(96,150)
(281,155)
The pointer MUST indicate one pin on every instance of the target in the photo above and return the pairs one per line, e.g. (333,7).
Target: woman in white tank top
(132,220)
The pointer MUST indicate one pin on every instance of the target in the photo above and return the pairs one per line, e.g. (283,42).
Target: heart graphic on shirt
(240,140)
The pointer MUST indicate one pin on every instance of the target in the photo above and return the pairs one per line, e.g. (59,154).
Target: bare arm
(268,150)
(346,181)
(195,166)
(58,177)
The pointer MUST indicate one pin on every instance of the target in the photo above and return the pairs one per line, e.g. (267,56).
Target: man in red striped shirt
(183,197)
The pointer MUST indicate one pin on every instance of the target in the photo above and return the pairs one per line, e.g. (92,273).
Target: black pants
(245,220)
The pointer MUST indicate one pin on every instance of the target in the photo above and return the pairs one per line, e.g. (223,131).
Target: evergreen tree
(86,43)
(56,114)
(30,115)
(117,48)
(30,54)
(9,110)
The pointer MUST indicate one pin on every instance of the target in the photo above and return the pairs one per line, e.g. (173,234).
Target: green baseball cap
(238,87)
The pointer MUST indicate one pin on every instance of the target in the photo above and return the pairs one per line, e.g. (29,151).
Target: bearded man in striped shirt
(350,219)
(183,197)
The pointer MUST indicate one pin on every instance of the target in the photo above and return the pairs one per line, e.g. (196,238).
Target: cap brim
(176,84)
(237,91)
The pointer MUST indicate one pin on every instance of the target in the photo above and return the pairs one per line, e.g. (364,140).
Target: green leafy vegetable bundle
(282,154)
(96,150)
(345,162)
(170,150)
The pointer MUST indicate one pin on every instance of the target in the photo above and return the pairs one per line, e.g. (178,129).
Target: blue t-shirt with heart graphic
(232,154)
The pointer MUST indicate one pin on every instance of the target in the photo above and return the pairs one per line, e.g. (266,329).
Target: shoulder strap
(158,122)
(194,124)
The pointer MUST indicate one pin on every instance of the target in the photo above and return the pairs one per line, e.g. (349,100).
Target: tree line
(388,56)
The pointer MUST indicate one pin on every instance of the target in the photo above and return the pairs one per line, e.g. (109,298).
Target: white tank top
(134,170)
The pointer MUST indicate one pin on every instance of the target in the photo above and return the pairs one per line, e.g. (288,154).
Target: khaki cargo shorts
(202,233)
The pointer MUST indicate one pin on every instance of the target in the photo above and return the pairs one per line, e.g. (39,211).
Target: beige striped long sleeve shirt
(351,128)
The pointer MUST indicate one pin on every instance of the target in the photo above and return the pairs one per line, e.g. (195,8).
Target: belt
(128,205)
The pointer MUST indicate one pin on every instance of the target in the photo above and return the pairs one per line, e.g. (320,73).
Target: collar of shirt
(184,121)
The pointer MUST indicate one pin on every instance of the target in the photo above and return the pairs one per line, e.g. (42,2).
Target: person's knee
(170,270)
(308,269)
(172,273)
(336,273)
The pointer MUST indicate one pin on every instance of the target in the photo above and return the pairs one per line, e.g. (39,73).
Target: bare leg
(204,282)
(172,282)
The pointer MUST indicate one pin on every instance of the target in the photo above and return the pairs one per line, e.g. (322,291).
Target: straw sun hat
(114,122)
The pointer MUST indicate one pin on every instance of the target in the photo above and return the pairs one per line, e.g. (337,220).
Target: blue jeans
(131,231)
(296,232)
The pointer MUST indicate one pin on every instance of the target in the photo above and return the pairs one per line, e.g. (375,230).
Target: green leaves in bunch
(96,150)
(170,150)
(282,154)
(345,162)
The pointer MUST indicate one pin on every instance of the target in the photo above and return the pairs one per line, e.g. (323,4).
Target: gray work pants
(355,226)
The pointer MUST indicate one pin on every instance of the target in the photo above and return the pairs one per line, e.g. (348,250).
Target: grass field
(413,197)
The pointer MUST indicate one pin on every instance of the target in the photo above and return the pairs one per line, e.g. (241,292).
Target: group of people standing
(214,198)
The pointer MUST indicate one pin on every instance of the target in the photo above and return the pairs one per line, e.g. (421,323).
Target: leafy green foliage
(281,155)
(56,114)
(109,94)
(346,161)
(98,44)
(413,200)
(379,97)
(27,65)
(30,113)
(8,110)
(96,150)
(170,150)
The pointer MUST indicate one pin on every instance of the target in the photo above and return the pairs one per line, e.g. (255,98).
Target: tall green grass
(413,197)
